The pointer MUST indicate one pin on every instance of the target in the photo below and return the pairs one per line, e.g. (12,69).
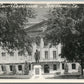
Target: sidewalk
(15,76)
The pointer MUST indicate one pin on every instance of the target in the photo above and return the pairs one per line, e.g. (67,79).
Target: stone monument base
(37,73)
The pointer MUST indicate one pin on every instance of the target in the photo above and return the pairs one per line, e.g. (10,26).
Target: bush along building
(49,57)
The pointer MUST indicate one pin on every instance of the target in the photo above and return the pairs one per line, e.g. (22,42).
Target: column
(1,70)
(7,69)
(16,66)
(22,68)
(58,50)
(34,50)
(60,67)
(41,48)
(49,54)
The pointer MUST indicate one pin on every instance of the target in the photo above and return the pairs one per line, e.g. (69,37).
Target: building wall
(50,50)
(50,61)
(13,59)
(10,59)
(8,71)
(16,60)
(73,70)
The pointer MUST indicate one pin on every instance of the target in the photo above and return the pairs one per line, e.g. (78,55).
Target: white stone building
(50,61)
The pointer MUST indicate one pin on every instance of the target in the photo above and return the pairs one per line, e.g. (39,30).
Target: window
(54,54)
(46,68)
(3,68)
(46,54)
(29,66)
(62,65)
(3,54)
(11,53)
(73,66)
(11,68)
(19,53)
(54,67)
(19,67)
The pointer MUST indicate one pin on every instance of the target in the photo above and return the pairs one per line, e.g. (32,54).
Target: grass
(65,76)
(68,76)
(15,76)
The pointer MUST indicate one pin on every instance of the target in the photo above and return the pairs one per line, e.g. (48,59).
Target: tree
(66,26)
(12,23)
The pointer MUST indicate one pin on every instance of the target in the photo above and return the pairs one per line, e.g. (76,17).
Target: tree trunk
(81,67)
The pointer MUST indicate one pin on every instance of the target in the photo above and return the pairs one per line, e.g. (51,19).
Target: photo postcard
(41,41)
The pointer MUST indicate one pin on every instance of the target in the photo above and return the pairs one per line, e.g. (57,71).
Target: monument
(37,73)
(37,56)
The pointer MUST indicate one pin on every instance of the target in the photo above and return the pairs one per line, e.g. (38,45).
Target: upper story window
(11,53)
(73,66)
(46,54)
(54,54)
(3,54)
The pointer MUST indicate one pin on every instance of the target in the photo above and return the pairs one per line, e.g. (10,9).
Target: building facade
(50,59)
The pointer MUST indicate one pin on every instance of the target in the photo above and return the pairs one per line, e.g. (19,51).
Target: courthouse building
(50,59)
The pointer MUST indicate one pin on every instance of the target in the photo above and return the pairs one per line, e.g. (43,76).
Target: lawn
(14,76)
(67,77)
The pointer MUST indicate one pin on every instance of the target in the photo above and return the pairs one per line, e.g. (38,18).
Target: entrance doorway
(46,68)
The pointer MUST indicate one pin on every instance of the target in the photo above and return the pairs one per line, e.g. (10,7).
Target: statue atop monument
(37,56)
